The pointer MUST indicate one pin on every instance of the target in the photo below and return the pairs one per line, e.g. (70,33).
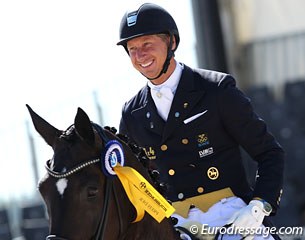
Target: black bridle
(108,189)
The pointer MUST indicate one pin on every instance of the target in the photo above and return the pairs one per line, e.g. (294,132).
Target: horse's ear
(83,126)
(46,130)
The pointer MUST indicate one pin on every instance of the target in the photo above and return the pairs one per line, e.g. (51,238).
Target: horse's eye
(92,192)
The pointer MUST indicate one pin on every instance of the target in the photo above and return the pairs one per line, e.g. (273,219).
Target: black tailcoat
(202,154)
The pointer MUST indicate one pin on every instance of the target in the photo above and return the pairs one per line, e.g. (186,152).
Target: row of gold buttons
(164,146)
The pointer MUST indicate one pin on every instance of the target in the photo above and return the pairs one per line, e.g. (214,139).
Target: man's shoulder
(213,78)
(137,100)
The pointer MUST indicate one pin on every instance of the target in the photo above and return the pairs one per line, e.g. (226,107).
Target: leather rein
(108,189)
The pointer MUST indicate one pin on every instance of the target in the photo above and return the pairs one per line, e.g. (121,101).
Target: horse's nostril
(53,237)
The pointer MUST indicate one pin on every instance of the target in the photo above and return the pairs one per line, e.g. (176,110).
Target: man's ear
(173,42)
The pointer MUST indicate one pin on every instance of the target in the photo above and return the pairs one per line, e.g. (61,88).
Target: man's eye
(130,50)
(147,44)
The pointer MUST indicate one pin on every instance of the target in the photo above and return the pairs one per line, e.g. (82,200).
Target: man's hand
(249,217)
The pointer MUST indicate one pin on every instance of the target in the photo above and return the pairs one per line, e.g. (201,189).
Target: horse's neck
(149,229)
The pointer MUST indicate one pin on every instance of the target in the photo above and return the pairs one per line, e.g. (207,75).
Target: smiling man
(191,124)
(147,56)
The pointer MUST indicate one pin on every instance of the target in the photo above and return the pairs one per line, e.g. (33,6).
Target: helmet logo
(132,19)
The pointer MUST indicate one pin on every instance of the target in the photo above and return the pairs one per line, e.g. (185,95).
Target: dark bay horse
(82,202)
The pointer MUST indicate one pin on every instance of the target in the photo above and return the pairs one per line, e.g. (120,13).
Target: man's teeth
(146,65)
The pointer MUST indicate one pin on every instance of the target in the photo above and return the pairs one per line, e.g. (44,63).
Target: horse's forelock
(61,160)
(68,133)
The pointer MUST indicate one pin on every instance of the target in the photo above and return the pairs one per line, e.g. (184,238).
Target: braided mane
(142,158)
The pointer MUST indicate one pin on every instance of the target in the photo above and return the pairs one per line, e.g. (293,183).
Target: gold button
(185,141)
(171,172)
(164,147)
(200,190)
(185,105)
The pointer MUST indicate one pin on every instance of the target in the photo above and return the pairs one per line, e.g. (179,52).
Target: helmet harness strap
(170,54)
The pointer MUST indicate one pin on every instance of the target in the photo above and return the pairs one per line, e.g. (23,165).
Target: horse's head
(83,200)
(75,188)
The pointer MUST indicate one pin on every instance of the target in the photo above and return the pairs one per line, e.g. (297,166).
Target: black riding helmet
(147,20)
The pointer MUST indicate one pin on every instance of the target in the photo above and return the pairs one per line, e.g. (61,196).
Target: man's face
(148,53)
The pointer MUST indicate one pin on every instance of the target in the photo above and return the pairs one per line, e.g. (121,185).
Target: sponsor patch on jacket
(202,140)
(150,153)
(206,152)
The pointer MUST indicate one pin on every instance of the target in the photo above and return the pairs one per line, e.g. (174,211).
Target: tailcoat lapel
(185,99)
(147,114)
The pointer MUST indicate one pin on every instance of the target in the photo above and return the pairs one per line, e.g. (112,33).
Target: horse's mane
(142,158)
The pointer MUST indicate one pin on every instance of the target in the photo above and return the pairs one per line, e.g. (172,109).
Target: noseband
(108,188)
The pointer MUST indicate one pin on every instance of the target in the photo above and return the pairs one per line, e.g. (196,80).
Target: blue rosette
(112,155)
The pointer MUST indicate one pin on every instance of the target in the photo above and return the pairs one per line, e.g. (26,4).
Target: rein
(108,188)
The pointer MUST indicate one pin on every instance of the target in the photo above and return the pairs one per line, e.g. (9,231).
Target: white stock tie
(163,99)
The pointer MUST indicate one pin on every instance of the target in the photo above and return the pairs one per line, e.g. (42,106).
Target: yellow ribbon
(143,195)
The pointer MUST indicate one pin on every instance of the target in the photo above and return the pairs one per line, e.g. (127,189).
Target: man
(191,123)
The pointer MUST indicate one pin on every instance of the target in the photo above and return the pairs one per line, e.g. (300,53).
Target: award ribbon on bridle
(140,192)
